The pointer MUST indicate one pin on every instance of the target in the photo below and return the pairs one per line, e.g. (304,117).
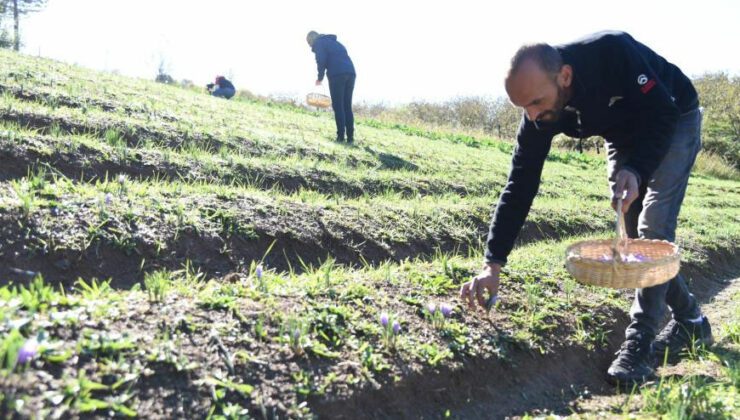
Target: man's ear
(565,77)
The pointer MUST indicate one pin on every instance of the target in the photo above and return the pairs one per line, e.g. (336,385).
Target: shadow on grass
(392,162)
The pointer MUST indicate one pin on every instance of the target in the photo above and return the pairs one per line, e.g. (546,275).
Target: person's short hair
(547,58)
(311,37)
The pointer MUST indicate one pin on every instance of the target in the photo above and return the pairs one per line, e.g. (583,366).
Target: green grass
(172,199)
(694,397)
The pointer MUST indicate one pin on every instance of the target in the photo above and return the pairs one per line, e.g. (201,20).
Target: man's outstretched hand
(488,279)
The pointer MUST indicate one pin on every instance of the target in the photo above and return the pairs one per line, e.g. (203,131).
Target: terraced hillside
(177,255)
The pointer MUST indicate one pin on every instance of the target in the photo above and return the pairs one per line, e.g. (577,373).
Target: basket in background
(318,100)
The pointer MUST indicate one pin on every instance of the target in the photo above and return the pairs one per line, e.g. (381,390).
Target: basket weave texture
(584,261)
(318,100)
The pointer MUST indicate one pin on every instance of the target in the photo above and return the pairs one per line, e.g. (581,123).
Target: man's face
(542,96)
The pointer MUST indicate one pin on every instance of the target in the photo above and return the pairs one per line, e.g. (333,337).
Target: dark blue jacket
(331,57)
(225,83)
(622,91)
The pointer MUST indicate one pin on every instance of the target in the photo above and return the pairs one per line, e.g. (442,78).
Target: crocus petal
(384,319)
(28,351)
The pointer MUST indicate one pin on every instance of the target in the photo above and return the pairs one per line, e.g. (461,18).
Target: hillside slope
(178,255)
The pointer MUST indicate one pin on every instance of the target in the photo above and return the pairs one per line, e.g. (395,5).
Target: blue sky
(403,50)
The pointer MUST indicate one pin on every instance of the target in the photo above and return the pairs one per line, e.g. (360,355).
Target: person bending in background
(221,88)
(647,110)
(332,59)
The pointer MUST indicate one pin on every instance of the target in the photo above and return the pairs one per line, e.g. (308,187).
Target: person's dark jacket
(225,83)
(331,57)
(622,91)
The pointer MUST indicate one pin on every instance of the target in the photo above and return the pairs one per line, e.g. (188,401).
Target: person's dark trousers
(225,92)
(341,87)
(654,215)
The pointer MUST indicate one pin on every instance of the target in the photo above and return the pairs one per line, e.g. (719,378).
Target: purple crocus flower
(636,257)
(384,319)
(108,199)
(28,351)
(258,272)
(396,327)
(446,309)
(431,307)
(296,334)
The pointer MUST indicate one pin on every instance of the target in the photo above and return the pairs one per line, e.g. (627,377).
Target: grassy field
(170,254)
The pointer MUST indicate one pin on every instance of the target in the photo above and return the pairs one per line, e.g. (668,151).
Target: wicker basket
(318,100)
(583,261)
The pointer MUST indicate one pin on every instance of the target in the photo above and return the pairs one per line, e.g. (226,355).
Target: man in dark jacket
(332,59)
(222,88)
(647,110)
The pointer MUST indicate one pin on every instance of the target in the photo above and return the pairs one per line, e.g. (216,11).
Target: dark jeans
(226,92)
(654,215)
(341,87)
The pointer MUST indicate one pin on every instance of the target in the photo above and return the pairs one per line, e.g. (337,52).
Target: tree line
(12,10)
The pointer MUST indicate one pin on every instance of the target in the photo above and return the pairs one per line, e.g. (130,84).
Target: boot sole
(628,383)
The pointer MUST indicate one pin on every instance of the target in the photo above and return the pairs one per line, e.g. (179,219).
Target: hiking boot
(680,338)
(633,364)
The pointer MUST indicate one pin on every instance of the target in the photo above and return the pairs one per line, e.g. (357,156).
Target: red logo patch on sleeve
(647,86)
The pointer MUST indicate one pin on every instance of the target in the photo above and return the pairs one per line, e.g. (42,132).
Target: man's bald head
(547,58)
